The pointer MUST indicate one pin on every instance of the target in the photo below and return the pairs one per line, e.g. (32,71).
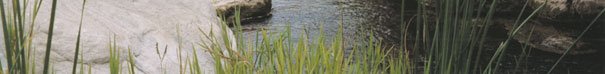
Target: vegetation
(450,41)
(17,40)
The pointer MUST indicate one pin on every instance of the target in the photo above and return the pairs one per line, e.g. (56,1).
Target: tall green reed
(275,52)
(18,41)
(78,39)
(50,36)
(451,37)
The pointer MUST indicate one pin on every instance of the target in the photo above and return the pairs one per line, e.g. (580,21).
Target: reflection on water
(309,16)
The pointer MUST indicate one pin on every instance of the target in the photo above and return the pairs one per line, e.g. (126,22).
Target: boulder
(547,36)
(554,30)
(140,25)
(554,8)
(249,9)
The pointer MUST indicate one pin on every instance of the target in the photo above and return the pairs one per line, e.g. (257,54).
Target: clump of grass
(114,58)
(275,53)
(450,37)
(17,40)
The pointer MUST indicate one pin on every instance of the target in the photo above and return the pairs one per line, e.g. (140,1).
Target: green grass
(17,40)
(450,38)
(277,54)
(114,57)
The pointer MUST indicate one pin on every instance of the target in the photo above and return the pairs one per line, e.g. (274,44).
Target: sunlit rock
(140,25)
(554,8)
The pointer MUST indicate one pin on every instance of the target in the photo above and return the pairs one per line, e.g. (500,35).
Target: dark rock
(249,9)
(549,30)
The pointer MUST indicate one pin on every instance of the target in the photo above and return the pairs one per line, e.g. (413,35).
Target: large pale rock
(135,24)
(249,9)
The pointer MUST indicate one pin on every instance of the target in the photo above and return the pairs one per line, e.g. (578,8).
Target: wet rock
(546,32)
(249,9)
(135,24)
(554,8)
(547,37)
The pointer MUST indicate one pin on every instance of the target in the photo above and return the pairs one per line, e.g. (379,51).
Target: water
(358,18)
(383,17)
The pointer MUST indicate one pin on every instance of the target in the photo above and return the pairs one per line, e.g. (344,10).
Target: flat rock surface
(135,24)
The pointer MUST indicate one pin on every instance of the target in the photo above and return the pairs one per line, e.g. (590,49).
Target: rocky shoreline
(552,24)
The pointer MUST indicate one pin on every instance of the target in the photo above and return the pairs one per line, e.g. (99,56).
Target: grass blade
(50,37)
(131,61)
(576,41)
(78,39)
(5,31)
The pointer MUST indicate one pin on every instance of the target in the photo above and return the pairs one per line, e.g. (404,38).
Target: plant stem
(50,37)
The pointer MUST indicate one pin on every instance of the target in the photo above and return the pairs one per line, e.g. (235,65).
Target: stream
(383,18)
(308,17)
